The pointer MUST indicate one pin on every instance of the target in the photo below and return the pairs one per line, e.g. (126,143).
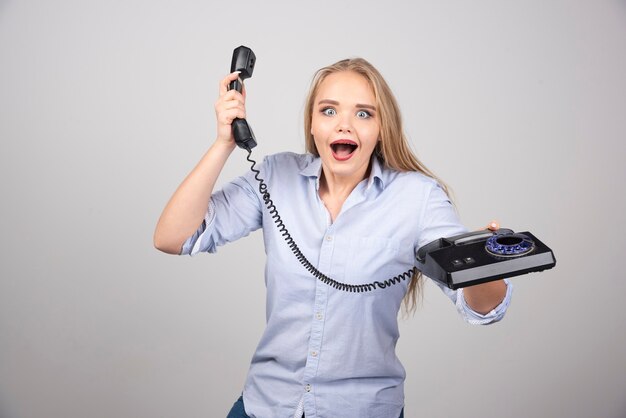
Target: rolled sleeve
(199,241)
(232,213)
(472,317)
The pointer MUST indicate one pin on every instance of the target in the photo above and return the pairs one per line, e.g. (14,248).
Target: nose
(344,124)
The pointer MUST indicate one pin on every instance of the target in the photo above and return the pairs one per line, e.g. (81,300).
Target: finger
(226,117)
(232,104)
(493,226)
(222,105)
(232,96)
(229,102)
(227,80)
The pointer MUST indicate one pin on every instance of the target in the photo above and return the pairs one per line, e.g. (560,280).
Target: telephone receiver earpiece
(244,61)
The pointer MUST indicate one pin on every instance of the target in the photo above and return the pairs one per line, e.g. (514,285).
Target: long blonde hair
(392,150)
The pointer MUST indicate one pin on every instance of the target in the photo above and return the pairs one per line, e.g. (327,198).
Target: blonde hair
(392,150)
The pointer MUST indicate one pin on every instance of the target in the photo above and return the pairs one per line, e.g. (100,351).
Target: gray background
(106,106)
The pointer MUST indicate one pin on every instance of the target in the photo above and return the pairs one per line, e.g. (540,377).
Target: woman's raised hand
(229,105)
(187,207)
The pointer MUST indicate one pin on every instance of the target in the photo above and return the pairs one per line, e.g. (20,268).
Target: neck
(340,187)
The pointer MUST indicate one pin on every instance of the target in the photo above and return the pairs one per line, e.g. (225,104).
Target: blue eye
(329,111)
(362,114)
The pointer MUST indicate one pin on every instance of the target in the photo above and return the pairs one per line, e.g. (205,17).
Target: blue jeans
(238,412)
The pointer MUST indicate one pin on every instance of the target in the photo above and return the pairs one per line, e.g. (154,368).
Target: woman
(359,204)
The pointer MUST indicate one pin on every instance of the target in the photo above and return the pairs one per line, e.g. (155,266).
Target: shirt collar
(314,169)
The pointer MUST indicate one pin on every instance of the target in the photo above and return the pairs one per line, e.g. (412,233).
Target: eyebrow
(336,103)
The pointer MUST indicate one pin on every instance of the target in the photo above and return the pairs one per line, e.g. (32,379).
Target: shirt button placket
(317,321)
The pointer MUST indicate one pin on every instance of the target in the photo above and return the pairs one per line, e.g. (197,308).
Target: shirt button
(307,388)
(329,238)
(319,316)
(314,353)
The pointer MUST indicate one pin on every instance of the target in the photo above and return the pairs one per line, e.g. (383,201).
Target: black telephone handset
(243,60)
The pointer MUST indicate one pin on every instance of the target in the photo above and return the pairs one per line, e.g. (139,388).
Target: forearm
(482,298)
(186,208)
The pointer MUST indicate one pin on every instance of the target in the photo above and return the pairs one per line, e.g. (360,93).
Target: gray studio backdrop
(106,106)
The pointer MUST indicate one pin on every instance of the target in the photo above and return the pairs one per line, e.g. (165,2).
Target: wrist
(224,145)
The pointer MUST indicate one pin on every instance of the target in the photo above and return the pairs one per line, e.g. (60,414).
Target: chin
(348,168)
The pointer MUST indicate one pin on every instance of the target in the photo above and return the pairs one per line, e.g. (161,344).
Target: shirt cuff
(198,241)
(475,318)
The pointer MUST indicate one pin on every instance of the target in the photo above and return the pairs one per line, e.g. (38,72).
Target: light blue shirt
(328,352)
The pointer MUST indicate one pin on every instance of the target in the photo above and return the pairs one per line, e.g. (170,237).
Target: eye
(329,111)
(363,114)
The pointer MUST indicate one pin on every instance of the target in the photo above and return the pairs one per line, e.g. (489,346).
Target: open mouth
(343,149)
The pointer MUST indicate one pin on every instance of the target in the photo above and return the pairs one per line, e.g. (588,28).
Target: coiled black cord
(303,260)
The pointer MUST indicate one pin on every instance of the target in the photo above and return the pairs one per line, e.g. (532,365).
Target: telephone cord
(273,211)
